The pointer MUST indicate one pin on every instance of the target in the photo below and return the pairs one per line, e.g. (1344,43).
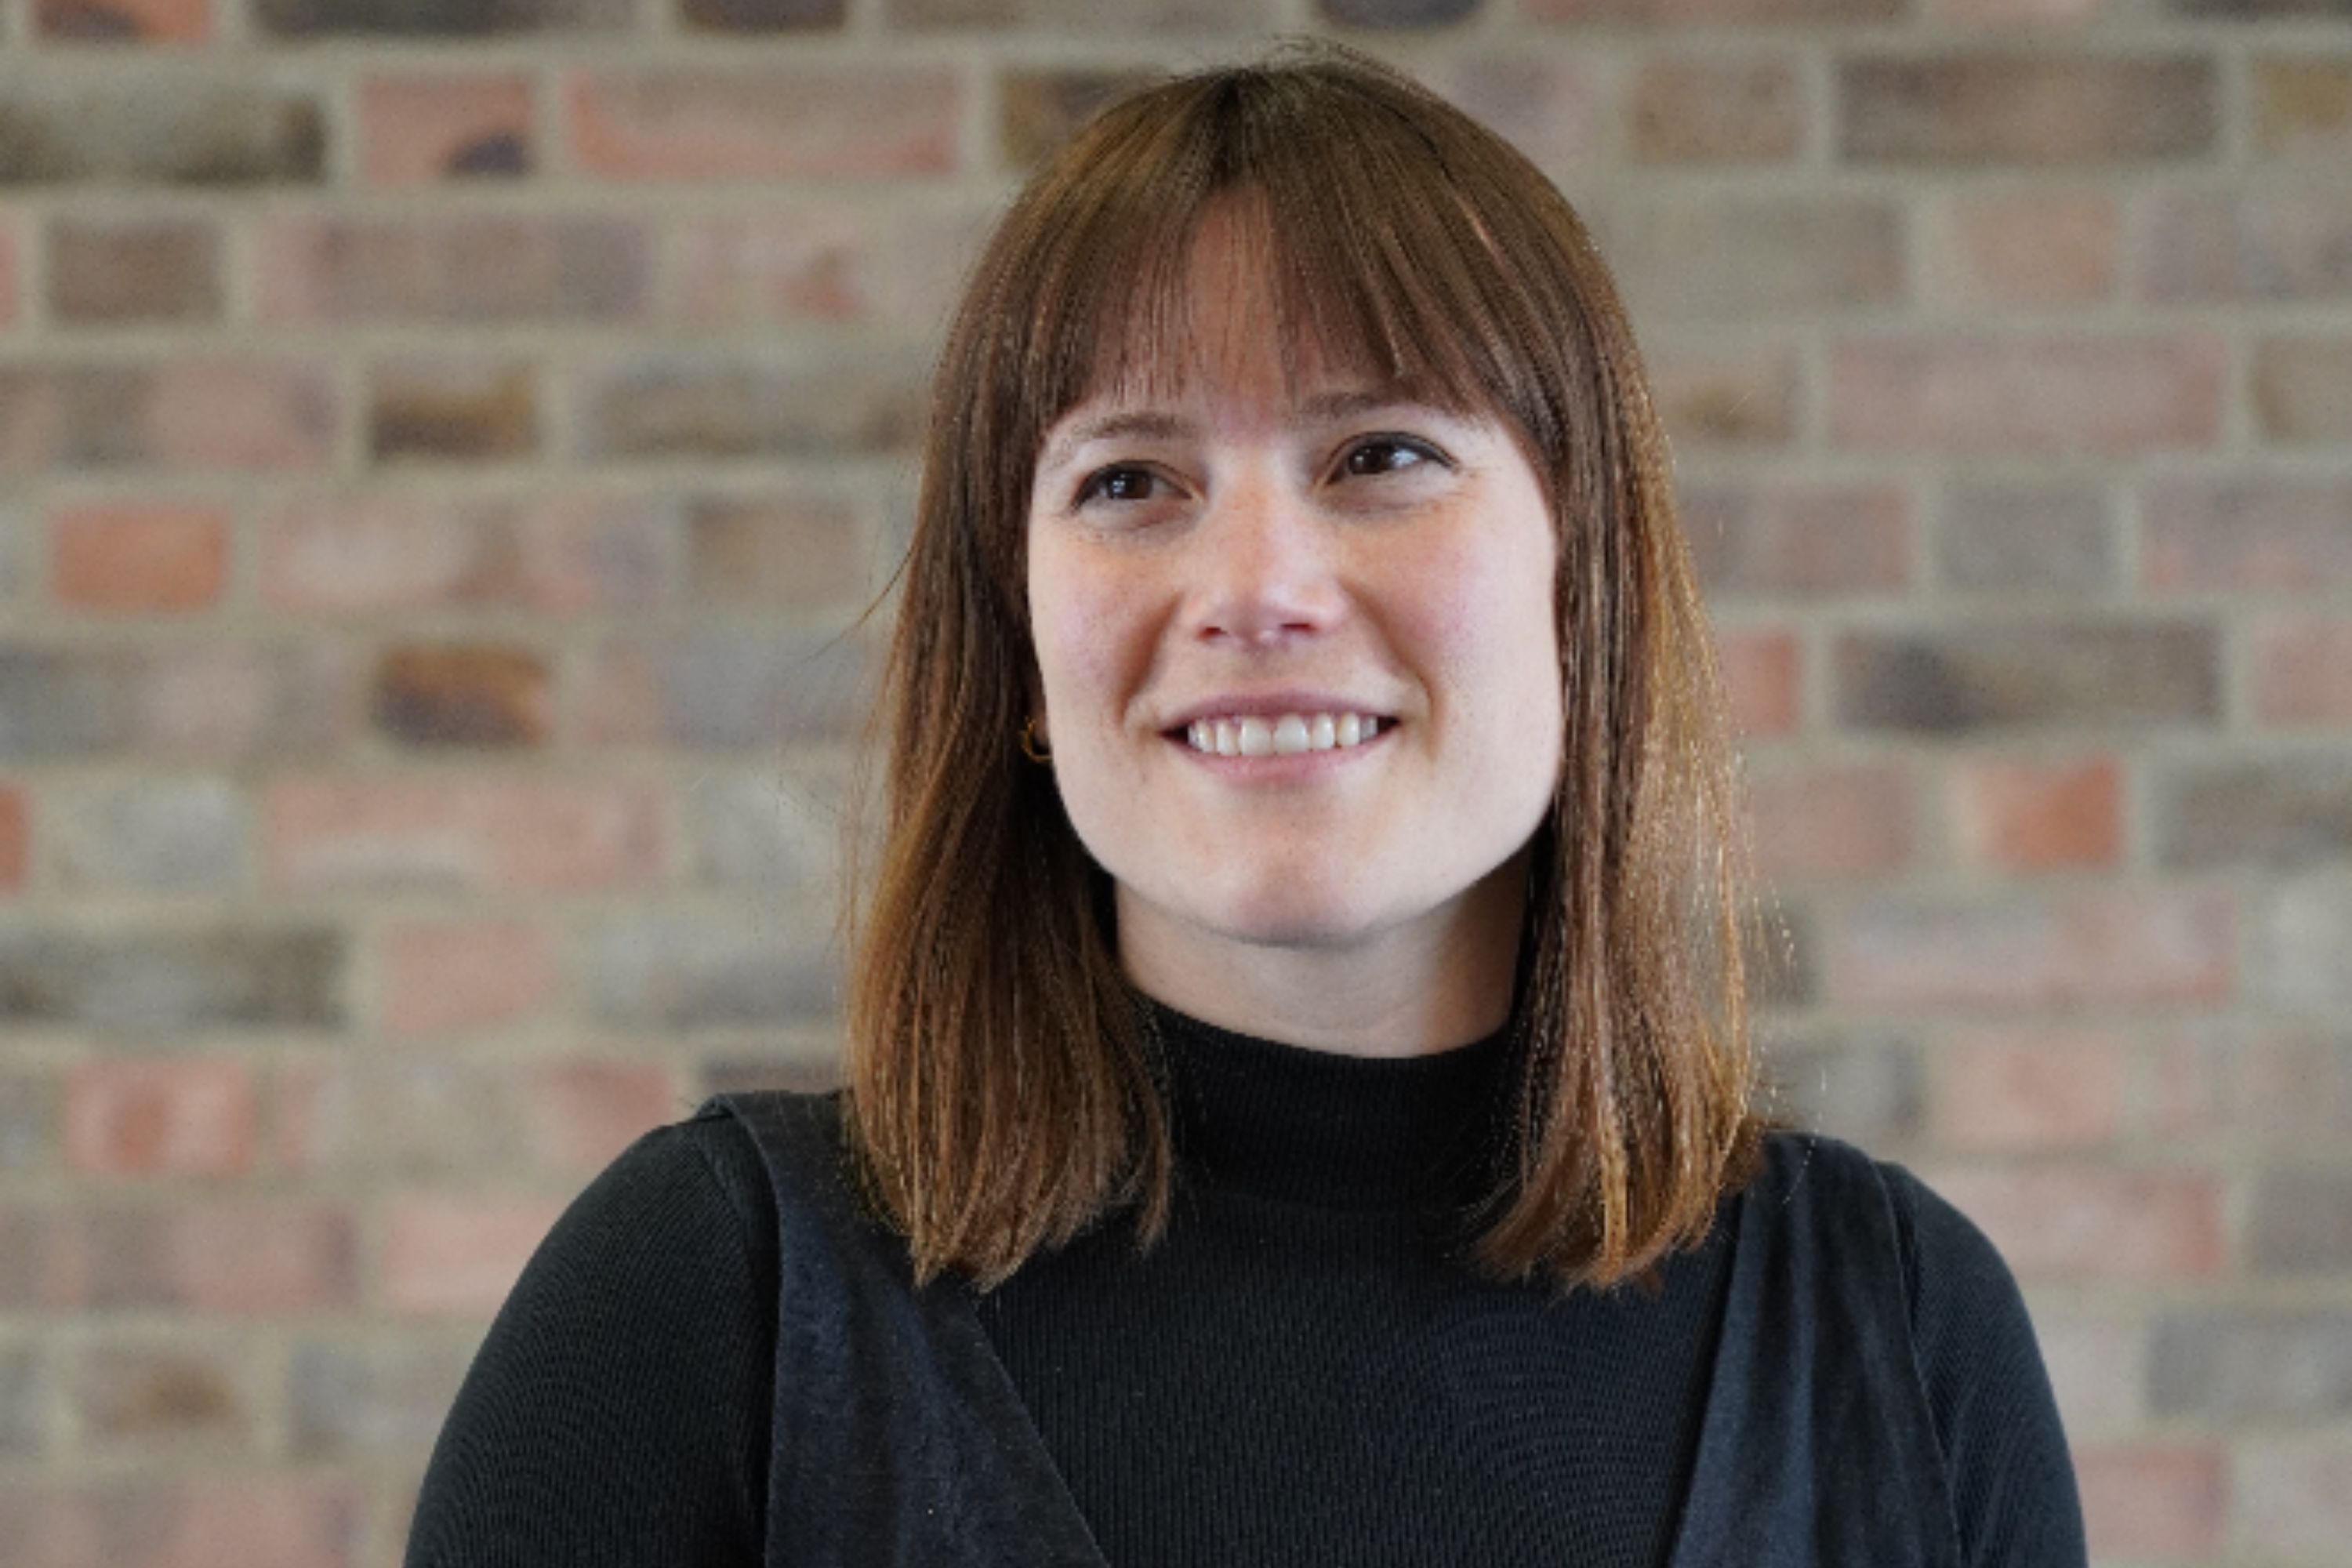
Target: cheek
(1080,624)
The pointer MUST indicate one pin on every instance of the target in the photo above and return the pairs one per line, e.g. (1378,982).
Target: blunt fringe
(1003,1095)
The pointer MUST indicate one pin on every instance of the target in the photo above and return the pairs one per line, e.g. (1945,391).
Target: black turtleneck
(1304,1371)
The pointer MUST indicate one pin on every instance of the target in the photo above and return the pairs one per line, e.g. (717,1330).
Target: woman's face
(1296,645)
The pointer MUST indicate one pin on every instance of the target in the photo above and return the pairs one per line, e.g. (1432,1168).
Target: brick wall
(444,445)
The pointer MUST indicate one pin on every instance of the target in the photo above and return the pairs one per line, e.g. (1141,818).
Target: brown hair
(1002,1093)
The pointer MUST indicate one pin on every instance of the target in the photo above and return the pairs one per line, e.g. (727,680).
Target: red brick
(2095,1222)
(316,270)
(2294,1496)
(2105,395)
(138,558)
(243,1257)
(191,413)
(558,555)
(1763,677)
(2126,950)
(2303,107)
(144,21)
(2303,672)
(479,832)
(1710,390)
(579,1115)
(2033,249)
(250,1520)
(704,125)
(2034,1091)
(16,838)
(452,408)
(1709,13)
(1832,820)
(2148,1503)
(2033,814)
(160,1118)
(417,127)
(2280,533)
(455,976)
(2026,108)
(847,264)
(1798,539)
(163,270)
(2303,389)
(1716,112)
(458,1256)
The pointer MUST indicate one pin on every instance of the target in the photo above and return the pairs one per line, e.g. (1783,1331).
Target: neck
(1432,985)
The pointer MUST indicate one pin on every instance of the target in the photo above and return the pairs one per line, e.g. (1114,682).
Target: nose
(1263,573)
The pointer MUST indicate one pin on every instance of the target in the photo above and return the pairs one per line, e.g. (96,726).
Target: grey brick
(160,832)
(2300,1222)
(731,691)
(189,128)
(680,407)
(223,977)
(761,831)
(2306,933)
(2030,674)
(2234,1365)
(2044,536)
(667,971)
(2285,812)
(307,18)
(373,1399)
(1869,1091)
(22,1394)
(27,1116)
(1683,259)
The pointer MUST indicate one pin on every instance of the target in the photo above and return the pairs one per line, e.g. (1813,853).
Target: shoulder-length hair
(1002,1093)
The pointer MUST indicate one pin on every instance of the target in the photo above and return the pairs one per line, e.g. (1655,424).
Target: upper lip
(1271,705)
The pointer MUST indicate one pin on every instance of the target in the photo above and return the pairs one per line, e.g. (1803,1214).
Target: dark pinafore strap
(899,1439)
(1817,1445)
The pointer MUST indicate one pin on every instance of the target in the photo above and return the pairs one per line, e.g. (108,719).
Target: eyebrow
(1156,424)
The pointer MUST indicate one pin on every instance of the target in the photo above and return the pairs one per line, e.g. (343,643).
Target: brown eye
(1385,455)
(1122,482)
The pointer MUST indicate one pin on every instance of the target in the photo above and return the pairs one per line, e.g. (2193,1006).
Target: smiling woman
(1298,1101)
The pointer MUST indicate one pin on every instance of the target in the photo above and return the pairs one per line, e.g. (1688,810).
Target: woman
(1298,1106)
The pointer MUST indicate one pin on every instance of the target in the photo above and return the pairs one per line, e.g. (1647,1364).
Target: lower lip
(1272,769)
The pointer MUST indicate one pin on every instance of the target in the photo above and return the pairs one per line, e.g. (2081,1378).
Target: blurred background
(444,446)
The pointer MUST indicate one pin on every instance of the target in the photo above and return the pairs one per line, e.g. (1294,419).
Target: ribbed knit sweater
(1305,1371)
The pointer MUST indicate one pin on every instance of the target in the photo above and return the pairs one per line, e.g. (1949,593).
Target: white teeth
(1283,735)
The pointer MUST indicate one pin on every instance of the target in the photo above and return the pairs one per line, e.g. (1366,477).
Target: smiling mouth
(1283,735)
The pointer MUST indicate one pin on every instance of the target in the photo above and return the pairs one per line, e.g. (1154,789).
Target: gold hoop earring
(1029,747)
